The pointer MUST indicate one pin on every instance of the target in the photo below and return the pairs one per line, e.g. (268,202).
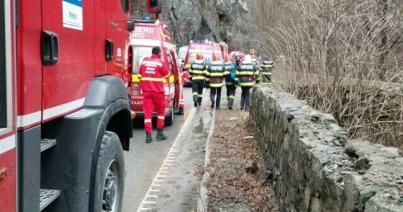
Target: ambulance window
(139,53)
(125,5)
(3,91)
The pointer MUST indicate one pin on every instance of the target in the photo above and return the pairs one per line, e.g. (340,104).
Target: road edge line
(202,202)
(177,140)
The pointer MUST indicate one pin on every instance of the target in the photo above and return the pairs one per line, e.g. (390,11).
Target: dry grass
(231,188)
(342,56)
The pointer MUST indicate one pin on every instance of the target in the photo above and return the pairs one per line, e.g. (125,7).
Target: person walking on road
(198,73)
(215,74)
(153,73)
(247,74)
(267,68)
(230,82)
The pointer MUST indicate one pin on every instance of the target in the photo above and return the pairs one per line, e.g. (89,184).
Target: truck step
(47,144)
(47,196)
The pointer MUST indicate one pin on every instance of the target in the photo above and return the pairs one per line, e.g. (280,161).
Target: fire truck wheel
(110,175)
(169,120)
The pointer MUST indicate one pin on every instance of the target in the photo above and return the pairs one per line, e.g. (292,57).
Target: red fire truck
(146,35)
(206,48)
(64,107)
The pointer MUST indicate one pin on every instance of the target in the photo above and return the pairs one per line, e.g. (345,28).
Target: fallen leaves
(236,167)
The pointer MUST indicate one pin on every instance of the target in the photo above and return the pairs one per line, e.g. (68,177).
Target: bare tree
(343,57)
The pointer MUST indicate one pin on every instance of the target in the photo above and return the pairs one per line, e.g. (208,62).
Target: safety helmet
(248,59)
(199,57)
(147,18)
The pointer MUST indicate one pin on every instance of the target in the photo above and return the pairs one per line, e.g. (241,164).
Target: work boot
(149,138)
(195,103)
(161,136)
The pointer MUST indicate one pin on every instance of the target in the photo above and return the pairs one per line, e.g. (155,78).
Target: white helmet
(248,59)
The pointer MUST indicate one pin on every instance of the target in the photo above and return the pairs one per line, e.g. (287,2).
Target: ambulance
(206,48)
(181,60)
(146,35)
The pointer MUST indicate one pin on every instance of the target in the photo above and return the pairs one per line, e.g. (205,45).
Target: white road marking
(150,202)
(165,165)
(152,196)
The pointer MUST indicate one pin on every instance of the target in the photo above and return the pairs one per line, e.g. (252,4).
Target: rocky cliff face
(232,21)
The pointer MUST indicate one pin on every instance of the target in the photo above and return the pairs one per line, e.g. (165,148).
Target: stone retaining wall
(316,167)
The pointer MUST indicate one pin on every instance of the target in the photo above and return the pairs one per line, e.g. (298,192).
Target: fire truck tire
(109,175)
(169,120)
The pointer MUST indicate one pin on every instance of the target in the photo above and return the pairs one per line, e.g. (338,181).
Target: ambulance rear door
(179,101)
(139,53)
(170,81)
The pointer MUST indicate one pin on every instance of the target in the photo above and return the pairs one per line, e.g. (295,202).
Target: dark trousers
(231,91)
(245,98)
(215,96)
(231,95)
(197,90)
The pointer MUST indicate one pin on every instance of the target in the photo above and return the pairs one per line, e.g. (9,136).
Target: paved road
(144,160)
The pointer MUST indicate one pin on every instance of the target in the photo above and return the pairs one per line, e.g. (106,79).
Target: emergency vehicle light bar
(201,41)
(145,21)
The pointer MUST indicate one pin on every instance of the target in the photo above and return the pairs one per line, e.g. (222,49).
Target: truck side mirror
(153,6)
(130,25)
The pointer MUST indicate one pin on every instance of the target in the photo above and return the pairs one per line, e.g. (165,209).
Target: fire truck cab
(65,114)
(146,35)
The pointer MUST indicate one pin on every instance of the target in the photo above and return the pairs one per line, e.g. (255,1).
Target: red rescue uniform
(153,73)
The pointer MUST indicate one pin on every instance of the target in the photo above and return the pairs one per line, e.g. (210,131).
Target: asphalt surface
(144,160)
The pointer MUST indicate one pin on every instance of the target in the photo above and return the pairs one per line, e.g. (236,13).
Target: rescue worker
(198,73)
(153,73)
(215,75)
(230,82)
(247,74)
(267,68)
(237,61)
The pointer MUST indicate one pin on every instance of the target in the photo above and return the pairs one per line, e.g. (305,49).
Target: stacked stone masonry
(316,167)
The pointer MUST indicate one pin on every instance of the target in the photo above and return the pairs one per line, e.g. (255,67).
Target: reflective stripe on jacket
(215,74)
(153,73)
(198,70)
(247,74)
(266,69)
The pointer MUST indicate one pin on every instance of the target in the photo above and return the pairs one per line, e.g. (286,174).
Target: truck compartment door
(67,54)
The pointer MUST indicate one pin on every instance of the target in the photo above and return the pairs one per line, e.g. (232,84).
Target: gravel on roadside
(238,181)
